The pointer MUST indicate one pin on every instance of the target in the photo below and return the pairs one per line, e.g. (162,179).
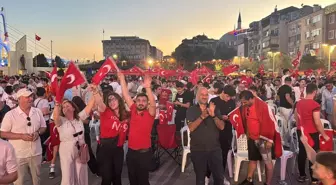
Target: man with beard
(139,154)
(204,122)
(182,102)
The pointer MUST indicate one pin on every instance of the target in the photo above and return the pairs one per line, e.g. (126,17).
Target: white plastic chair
(326,124)
(281,125)
(242,155)
(272,108)
(229,156)
(283,159)
(270,102)
(96,125)
(294,146)
(186,149)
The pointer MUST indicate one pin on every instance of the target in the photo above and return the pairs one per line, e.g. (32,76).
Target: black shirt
(206,136)
(183,98)
(283,90)
(3,111)
(225,107)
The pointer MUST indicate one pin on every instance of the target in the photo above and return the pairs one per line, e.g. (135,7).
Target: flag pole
(35,55)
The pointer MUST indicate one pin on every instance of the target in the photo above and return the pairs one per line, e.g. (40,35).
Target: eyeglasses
(29,123)
(78,134)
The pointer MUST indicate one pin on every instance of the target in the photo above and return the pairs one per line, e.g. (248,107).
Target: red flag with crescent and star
(193,77)
(53,81)
(230,69)
(133,71)
(72,78)
(163,117)
(297,60)
(236,121)
(170,110)
(108,65)
(207,79)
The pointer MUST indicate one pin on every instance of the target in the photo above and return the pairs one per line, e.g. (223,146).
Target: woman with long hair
(68,121)
(113,127)
(92,162)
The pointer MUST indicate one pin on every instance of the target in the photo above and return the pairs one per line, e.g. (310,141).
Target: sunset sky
(76,26)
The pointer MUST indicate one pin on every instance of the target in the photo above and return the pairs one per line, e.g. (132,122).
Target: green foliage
(225,53)
(312,62)
(40,61)
(59,62)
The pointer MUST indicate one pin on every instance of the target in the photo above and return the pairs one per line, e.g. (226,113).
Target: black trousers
(202,160)
(92,163)
(110,161)
(225,139)
(138,164)
(302,157)
(43,138)
(179,122)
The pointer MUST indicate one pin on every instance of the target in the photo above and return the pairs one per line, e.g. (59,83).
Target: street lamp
(115,56)
(273,54)
(198,64)
(331,49)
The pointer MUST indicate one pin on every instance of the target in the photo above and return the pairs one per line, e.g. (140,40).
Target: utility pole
(51,56)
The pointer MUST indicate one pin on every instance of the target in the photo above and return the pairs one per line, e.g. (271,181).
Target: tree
(40,61)
(311,62)
(59,62)
(224,53)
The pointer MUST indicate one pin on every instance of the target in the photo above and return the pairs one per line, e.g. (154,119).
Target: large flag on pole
(108,65)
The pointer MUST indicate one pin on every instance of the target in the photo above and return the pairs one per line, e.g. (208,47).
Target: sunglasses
(78,134)
(29,123)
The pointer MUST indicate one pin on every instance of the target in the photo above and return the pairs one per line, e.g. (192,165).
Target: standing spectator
(42,103)
(327,101)
(139,153)
(3,110)
(205,124)
(300,91)
(9,97)
(286,104)
(270,89)
(8,163)
(308,118)
(182,102)
(68,121)
(111,153)
(22,127)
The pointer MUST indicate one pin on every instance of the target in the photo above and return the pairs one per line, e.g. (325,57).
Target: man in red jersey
(139,155)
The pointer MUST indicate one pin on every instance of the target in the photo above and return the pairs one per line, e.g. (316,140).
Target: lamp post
(330,50)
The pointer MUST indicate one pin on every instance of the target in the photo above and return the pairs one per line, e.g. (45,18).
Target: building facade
(201,41)
(156,54)
(330,13)
(306,34)
(129,47)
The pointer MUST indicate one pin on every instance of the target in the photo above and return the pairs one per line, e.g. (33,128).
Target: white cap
(23,92)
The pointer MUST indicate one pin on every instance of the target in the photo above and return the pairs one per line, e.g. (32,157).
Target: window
(317,18)
(316,45)
(308,21)
(315,32)
(332,18)
(307,34)
(331,34)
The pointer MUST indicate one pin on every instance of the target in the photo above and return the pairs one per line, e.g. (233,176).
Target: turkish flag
(297,60)
(246,80)
(166,73)
(308,72)
(193,77)
(230,69)
(53,81)
(327,145)
(153,72)
(295,73)
(333,64)
(133,71)
(108,65)
(261,69)
(237,121)
(72,78)
(163,117)
(170,110)
(37,37)
(207,79)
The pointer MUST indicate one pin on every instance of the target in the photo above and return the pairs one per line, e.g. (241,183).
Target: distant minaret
(239,21)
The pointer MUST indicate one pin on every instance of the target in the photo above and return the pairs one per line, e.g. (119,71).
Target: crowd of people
(35,128)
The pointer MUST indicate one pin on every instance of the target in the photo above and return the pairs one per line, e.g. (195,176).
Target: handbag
(83,154)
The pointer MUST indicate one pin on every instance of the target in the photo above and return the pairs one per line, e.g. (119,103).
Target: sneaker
(226,182)
(246,182)
(302,179)
(51,175)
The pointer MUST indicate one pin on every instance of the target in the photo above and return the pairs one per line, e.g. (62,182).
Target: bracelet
(201,118)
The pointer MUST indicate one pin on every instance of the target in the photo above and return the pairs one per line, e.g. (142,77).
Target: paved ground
(169,173)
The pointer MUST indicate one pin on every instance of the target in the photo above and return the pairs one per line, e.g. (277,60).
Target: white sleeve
(6,124)
(42,120)
(45,103)
(83,115)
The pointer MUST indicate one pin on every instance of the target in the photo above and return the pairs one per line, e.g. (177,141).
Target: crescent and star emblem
(234,117)
(53,77)
(108,67)
(163,73)
(132,70)
(72,78)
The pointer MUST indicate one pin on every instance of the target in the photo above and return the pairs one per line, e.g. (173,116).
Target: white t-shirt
(1,90)
(7,98)
(269,90)
(41,103)
(8,161)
